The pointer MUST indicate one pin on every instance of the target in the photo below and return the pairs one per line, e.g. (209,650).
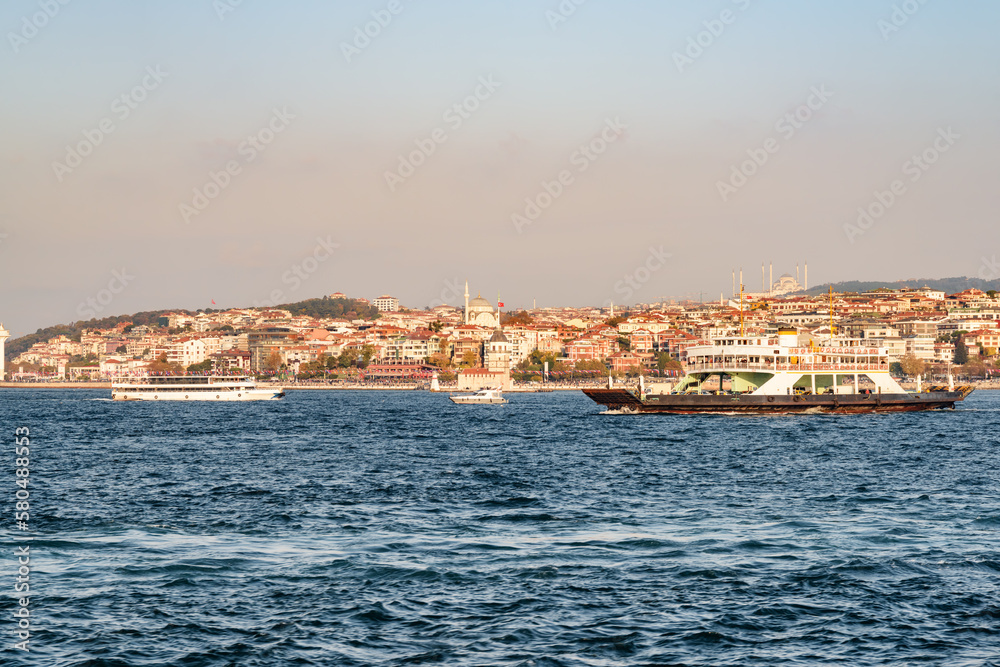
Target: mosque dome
(480,302)
(498,337)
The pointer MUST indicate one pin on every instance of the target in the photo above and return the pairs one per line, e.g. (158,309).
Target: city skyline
(175,156)
(925,324)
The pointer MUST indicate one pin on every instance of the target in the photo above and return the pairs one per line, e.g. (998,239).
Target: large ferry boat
(191,388)
(777,374)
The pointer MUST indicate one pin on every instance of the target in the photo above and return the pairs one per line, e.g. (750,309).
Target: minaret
(797,274)
(770,277)
(466,301)
(805,277)
(763,284)
(734,283)
(4,335)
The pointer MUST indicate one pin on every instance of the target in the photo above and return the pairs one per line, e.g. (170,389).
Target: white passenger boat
(191,388)
(481,396)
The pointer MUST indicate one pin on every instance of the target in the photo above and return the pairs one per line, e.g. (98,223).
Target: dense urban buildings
(477,344)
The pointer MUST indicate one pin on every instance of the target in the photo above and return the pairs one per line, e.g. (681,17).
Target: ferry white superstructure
(779,366)
(191,388)
(779,375)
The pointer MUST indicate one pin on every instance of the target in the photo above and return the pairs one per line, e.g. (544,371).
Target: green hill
(947,285)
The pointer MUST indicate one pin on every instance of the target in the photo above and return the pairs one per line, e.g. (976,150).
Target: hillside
(948,285)
(319,308)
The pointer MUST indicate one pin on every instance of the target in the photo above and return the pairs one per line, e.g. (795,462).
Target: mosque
(785,284)
(495,372)
(479,311)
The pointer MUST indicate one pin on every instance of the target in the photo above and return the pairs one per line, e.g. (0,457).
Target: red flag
(500,305)
(213,302)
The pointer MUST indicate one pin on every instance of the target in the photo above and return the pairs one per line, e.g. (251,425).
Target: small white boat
(481,396)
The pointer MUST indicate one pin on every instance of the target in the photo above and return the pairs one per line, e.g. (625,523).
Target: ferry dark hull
(622,400)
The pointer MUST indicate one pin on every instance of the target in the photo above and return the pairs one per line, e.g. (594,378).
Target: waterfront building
(474,379)
(85,373)
(626,362)
(4,335)
(398,371)
(112,367)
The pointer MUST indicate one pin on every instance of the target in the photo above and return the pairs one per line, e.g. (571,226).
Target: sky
(170,154)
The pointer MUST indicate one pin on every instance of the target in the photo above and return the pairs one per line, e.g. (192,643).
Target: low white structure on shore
(4,335)
(474,379)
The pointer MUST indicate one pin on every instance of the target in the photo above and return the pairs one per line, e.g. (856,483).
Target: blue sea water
(394,528)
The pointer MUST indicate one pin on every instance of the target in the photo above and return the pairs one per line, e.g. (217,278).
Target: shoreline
(303,387)
(979,386)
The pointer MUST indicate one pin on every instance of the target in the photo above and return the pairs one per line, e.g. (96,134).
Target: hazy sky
(341,162)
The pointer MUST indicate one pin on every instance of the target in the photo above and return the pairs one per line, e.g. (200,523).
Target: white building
(945,351)
(879,330)
(922,347)
(387,304)
(4,335)
(937,295)
(187,351)
(895,346)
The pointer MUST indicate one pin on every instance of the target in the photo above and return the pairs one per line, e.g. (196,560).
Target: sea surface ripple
(394,528)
